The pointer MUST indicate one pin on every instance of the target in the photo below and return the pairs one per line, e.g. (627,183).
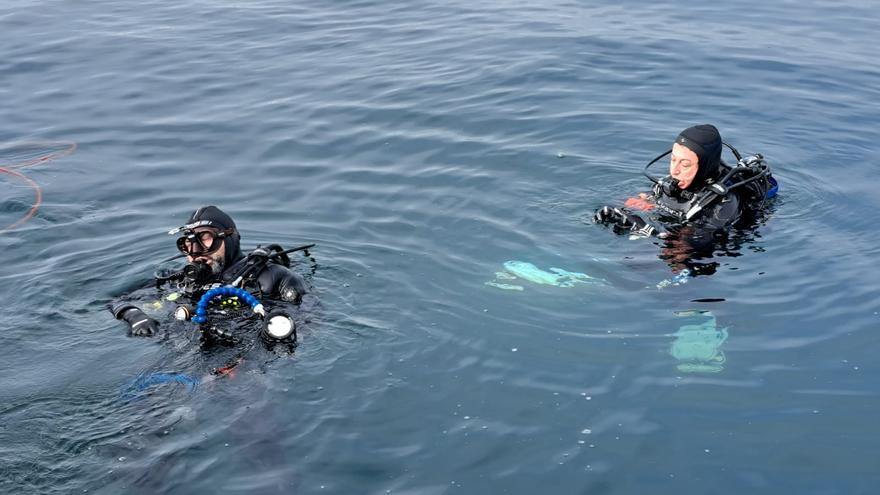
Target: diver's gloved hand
(625,222)
(141,324)
(639,226)
(606,214)
(620,218)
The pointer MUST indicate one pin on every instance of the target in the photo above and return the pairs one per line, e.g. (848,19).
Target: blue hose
(201,315)
(773,189)
(144,382)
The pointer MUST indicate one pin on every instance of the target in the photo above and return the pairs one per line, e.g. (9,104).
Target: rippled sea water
(421,145)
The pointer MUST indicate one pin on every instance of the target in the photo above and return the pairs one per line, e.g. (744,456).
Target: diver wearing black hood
(211,242)
(701,195)
(211,216)
(704,141)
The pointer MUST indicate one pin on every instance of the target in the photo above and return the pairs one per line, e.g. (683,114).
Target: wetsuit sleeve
(281,283)
(722,216)
(119,307)
(703,232)
(120,304)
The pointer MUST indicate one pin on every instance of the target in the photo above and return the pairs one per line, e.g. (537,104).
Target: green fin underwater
(525,271)
(698,347)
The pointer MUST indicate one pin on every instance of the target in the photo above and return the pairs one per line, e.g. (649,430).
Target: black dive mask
(205,242)
(197,273)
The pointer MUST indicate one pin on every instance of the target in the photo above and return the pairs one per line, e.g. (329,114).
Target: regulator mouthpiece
(670,186)
(198,273)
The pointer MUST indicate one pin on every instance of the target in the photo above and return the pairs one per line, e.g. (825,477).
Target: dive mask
(192,243)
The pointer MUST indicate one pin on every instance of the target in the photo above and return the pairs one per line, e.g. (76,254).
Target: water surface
(422,145)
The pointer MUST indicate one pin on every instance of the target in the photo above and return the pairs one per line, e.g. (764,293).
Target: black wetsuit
(693,223)
(716,218)
(703,210)
(666,214)
(274,282)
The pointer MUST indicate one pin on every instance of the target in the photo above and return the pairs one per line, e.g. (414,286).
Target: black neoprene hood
(211,216)
(705,141)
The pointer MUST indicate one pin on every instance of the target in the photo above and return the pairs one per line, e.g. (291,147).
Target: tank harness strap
(700,202)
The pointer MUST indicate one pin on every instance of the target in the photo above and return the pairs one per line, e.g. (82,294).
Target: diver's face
(683,165)
(214,250)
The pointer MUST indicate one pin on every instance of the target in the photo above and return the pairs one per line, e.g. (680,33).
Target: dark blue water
(422,145)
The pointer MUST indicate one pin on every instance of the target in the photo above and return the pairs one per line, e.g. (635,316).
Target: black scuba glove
(605,214)
(620,218)
(141,324)
(625,222)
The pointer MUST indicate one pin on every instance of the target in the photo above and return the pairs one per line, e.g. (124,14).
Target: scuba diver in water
(701,198)
(215,262)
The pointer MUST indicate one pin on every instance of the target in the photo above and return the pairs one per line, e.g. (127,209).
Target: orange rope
(38,198)
(68,148)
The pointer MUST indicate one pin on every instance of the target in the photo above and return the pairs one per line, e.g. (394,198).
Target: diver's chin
(216,267)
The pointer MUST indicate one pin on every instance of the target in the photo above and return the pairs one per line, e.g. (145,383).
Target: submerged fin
(555,276)
(504,286)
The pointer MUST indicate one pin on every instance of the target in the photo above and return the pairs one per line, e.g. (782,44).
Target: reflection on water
(700,258)
(697,345)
